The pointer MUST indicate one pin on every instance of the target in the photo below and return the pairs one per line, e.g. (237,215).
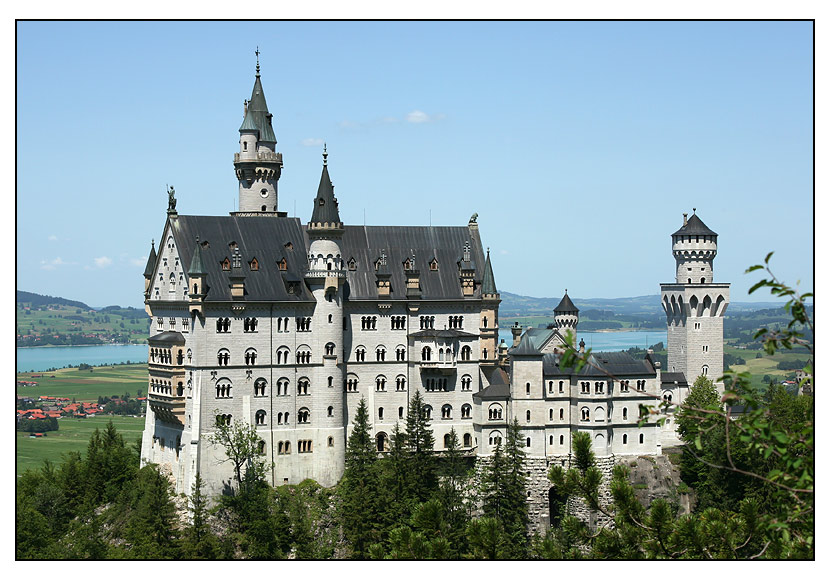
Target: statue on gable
(171,199)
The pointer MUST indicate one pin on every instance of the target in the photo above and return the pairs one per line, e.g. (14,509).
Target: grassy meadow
(87,385)
(73,435)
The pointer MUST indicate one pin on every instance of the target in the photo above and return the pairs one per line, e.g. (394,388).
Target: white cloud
(52,264)
(102,262)
(137,261)
(52,238)
(503,252)
(311,142)
(417,117)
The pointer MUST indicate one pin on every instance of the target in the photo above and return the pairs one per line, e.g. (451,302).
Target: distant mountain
(40,300)
(645,306)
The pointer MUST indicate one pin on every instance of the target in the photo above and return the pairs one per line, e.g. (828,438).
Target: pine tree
(357,488)
(453,478)
(200,543)
(420,442)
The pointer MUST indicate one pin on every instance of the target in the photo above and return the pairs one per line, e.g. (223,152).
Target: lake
(41,358)
(44,357)
(608,341)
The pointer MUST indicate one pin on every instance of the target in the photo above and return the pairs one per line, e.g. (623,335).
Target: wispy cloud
(52,238)
(417,116)
(311,142)
(52,264)
(103,261)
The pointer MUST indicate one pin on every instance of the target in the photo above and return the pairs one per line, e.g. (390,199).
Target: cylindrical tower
(325,277)
(257,164)
(566,315)
(694,247)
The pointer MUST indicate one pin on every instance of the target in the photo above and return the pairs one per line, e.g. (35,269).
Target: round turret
(566,315)
(694,247)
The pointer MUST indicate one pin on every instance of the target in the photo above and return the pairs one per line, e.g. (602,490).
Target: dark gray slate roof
(614,363)
(694,226)
(488,283)
(260,237)
(168,336)
(257,117)
(151,262)
(566,305)
(266,238)
(499,387)
(197,266)
(325,204)
(525,348)
(671,378)
(365,244)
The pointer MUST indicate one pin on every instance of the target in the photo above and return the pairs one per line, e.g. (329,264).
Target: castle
(257,317)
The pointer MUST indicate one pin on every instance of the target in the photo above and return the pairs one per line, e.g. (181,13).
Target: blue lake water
(42,358)
(608,341)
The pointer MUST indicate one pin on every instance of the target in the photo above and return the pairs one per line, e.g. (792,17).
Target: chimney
(685,221)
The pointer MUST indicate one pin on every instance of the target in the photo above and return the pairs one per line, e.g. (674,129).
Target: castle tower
(566,316)
(694,304)
(325,277)
(257,164)
(489,328)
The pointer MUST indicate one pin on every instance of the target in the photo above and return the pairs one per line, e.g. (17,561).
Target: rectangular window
(172,323)
(185,324)
(160,323)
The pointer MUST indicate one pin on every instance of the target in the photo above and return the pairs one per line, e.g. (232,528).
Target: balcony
(167,408)
(444,367)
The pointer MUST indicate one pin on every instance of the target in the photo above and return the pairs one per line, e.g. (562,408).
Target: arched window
(223,357)
(561,386)
(468,440)
(400,383)
(380,383)
(250,357)
(330,349)
(331,441)
(380,413)
(625,439)
(260,417)
(466,353)
(427,411)
(527,388)
(495,438)
(223,389)
(585,414)
(426,353)
(259,387)
(360,354)
(641,438)
(466,383)
(495,412)
(705,370)
(303,416)
(260,447)
(561,414)
(302,386)
(466,411)
(282,355)
(382,442)
(447,440)
(625,413)
(527,442)
(446,412)
(527,416)
(380,353)
(330,411)
(282,386)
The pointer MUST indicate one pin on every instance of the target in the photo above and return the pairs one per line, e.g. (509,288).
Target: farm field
(73,435)
(87,385)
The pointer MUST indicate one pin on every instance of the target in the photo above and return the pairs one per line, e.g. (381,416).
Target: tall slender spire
(325,204)
(488,283)
(257,60)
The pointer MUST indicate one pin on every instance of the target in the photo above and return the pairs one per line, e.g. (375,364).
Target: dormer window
(288,246)
(254,264)
(433,265)
(321,202)
(226,265)
(353,265)
(233,246)
(408,265)
(283,265)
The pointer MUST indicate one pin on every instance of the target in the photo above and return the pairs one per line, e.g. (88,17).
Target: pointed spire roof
(151,261)
(257,117)
(488,284)
(695,227)
(525,348)
(197,267)
(566,305)
(325,204)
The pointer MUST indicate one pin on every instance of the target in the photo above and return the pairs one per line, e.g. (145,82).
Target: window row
(172,322)
(380,353)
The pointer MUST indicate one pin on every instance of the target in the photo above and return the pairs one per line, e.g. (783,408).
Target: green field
(73,435)
(87,385)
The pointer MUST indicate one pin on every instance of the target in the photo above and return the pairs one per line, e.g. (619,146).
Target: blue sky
(579,144)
